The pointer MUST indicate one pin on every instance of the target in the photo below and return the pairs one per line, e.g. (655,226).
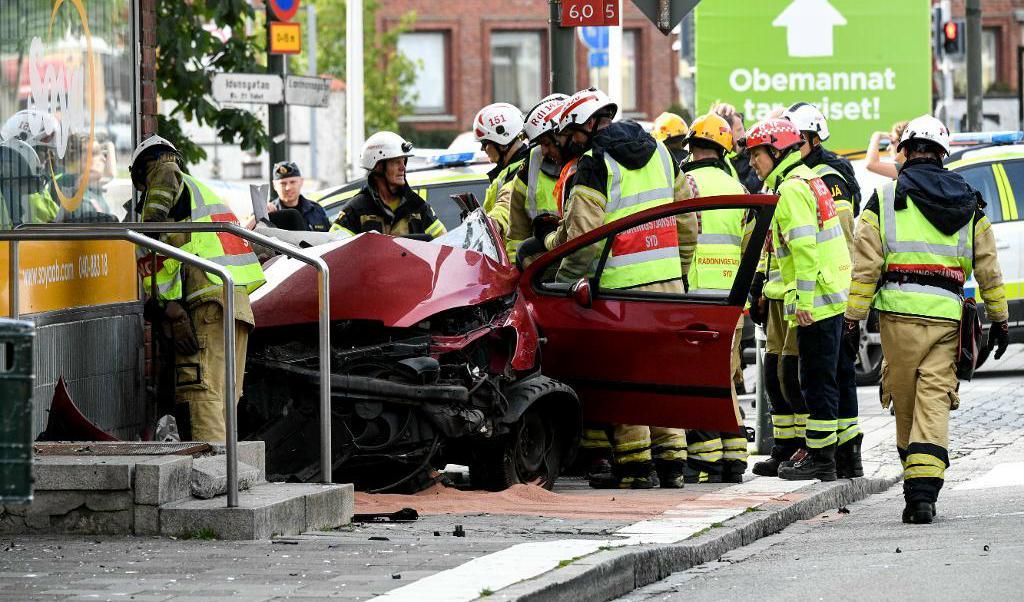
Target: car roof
(416,179)
(984,154)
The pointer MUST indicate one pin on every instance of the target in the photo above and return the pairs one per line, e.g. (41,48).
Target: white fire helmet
(149,143)
(927,128)
(382,146)
(34,127)
(808,118)
(583,105)
(500,123)
(543,118)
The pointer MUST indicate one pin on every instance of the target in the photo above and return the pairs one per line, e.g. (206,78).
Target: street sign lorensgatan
(865,63)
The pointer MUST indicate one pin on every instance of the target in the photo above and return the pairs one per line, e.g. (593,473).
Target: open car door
(637,356)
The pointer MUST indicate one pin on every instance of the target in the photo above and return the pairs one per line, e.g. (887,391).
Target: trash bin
(16,339)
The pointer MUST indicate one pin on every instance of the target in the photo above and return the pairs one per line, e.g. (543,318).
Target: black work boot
(631,475)
(919,513)
(701,473)
(770,467)
(819,464)
(848,463)
(797,456)
(671,473)
(600,468)
(732,471)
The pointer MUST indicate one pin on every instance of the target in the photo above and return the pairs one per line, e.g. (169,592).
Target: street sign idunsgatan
(253,88)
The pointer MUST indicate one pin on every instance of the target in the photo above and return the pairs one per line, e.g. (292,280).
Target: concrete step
(210,476)
(263,511)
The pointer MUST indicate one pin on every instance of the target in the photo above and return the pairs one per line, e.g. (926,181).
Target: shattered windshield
(473,235)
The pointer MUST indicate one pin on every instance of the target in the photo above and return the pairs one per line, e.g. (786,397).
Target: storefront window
(599,74)
(515,67)
(66,107)
(428,50)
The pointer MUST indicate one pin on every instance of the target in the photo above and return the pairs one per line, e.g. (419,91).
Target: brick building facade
(480,39)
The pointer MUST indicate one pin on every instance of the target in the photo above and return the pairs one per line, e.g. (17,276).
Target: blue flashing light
(454,158)
(1008,138)
(976,138)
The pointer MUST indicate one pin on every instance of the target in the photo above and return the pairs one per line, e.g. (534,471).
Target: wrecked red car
(443,352)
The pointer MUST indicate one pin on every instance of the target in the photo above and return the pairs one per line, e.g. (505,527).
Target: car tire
(535,449)
(869,357)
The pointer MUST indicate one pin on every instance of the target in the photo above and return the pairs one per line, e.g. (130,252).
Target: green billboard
(865,63)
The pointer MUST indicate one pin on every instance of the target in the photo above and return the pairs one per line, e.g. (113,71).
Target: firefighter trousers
(920,382)
(819,346)
(635,444)
(199,378)
(782,383)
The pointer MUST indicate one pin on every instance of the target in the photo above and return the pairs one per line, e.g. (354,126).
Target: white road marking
(1009,474)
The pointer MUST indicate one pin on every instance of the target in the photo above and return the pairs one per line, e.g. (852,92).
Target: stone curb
(613,573)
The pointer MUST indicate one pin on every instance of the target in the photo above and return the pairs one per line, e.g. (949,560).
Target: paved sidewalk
(554,536)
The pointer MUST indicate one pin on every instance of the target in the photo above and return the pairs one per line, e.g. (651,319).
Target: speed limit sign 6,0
(579,13)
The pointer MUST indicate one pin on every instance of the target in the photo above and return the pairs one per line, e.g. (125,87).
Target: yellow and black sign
(285,38)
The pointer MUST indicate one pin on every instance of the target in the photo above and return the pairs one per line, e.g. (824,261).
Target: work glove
(528,248)
(851,337)
(544,224)
(178,327)
(999,337)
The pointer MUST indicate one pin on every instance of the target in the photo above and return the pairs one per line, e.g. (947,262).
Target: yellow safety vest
(719,241)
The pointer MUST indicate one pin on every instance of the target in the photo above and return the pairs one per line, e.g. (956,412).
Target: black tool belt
(935,280)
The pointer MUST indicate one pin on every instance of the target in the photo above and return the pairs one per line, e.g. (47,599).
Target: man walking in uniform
(921,236)
(188,299)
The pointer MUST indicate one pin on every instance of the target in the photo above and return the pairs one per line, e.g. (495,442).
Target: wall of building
(469,24)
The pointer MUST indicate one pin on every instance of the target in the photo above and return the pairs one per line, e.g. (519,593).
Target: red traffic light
(950,29)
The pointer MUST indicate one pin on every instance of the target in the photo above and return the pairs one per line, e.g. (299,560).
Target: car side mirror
(581,293)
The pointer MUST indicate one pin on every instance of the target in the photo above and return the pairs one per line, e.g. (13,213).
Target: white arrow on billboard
(809,27)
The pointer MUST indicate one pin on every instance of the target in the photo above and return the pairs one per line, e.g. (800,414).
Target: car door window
(1014,189)
(647,261)
(440,198)
(982,179)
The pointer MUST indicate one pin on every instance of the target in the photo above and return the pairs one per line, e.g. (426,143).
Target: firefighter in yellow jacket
(188,302)
(646,177)
(713,456)
(920,238)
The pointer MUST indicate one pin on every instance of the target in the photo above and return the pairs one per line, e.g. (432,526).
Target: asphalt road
(974,549)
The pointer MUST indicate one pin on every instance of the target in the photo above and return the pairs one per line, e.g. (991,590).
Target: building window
(989,65)
(629,103)
(516,67)
(429,51)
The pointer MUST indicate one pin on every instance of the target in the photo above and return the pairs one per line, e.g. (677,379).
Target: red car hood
(396,281)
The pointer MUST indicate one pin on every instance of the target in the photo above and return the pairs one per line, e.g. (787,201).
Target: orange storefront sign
(60,275)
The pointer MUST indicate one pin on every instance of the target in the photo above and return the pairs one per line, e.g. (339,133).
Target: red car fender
(524,357)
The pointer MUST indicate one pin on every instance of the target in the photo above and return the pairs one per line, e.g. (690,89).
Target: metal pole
(764,438)
(561,51)
(615,87)
(13,285)
(974,91)
(277,126)
(323,294)
(354,82)
(314,168)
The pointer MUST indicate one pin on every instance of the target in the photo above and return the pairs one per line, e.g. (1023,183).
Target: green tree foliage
(387,75)
(188,53)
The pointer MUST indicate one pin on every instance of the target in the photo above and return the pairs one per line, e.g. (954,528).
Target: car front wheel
(869,354)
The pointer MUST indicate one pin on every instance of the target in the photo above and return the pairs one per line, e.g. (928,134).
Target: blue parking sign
(597,59)
(594,38)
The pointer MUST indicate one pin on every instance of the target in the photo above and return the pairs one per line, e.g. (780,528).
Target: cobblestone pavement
(363,561)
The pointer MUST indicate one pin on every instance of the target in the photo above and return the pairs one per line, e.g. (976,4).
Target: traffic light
(953,38)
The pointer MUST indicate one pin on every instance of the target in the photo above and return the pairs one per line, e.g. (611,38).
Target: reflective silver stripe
(833,232)
(709,292)
(533,175)
(719,239)
(164,288)
(666,164)
(615,189)
(825,169)
(618,261)
(805,285)
(913,287)
(831,298)
(790,309)
(890,244)
(234,260)
(775,276)
(197,196)
(801,232)
(782,252)
(210,210)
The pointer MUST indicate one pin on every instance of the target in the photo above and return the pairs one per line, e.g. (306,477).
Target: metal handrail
(323,293)
(230,412)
